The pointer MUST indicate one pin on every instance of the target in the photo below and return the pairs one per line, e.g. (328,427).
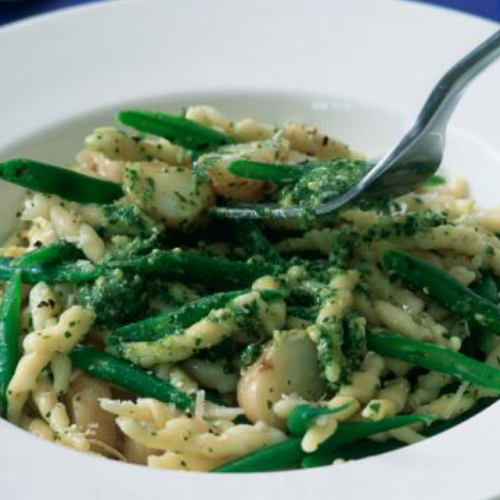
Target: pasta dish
(138,325)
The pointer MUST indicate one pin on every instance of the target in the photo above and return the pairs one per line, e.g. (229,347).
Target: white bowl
(359,69)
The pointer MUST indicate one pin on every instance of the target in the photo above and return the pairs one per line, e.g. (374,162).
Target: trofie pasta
(137,324)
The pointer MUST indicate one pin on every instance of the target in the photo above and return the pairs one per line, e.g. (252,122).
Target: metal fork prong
(256,212)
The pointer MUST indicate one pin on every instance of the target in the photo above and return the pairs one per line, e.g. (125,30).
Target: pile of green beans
(222,280)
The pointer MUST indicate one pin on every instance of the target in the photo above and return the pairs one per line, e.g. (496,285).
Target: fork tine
(257,212)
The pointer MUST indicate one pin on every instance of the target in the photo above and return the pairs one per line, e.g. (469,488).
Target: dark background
(13,10)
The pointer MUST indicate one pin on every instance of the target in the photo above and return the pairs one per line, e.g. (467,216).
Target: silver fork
(414,158)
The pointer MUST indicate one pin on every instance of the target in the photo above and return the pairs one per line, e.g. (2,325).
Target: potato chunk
(288,365)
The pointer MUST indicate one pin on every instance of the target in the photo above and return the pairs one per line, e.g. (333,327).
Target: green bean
(187,133)
(435,180)
(304,416)
(282,174)
(487,288)
(289,454)
(434,357)
(368,448)
(54,253)
(101,365)
(351,432)
(352,452)
(77,272)
(249,235)
(172,322)
(301,312)
(214,272)
(63,182)
(10,311)
(444,289)
(285,455)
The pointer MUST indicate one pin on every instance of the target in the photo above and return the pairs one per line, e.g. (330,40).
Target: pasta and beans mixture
(137,325)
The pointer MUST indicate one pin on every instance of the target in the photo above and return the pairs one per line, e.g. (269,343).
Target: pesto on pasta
(136,324)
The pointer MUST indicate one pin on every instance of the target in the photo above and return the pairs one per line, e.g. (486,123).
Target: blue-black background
(13,10)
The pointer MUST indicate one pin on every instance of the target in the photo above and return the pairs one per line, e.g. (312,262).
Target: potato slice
(288,365)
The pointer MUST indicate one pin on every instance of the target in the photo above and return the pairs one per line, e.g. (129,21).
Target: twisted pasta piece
(44,305)
(55,414)
(217,326)
(108,149)
(428,388)
(327,330)
(60,366)
(383,289)
(199,438)
(285,405)
(440,201)
(210,117)
(158,413)
(319,240)
(360,391)
(96,163)
(142,410)
(389,401)
(68,227)
(363,387)
(246,130)
(40,429)
(323,428)
(448,406)
(310,141)
(158,426)
(177,377)
(183,461)
(39,349)
(427,330)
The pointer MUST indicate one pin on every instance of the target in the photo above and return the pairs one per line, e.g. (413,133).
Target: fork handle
(445,96)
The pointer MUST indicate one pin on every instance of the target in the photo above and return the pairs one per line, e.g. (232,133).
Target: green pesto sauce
(324,179)
(128,219)
(118,297)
